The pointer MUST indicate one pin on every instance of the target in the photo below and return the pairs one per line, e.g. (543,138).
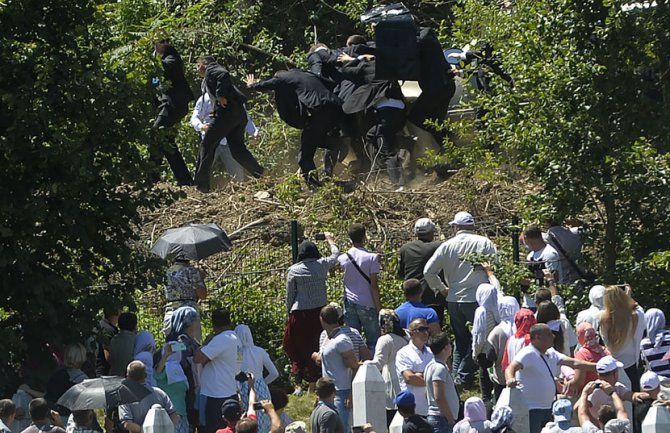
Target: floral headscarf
(587,337)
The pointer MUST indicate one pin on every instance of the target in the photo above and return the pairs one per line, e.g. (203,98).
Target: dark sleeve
(266,85)
(171,67)
(401,263)
(328,423)
(315,63)
(353,70)
(224,86)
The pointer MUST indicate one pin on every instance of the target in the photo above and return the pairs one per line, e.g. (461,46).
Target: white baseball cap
(649,381)
(423,226)
(463,219)
(607,364)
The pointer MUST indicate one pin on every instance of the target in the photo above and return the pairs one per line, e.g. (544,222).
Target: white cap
(649,381)
(463,219)
(424,226)
(607,364)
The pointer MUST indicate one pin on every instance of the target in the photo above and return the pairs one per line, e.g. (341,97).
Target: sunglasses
(420,329)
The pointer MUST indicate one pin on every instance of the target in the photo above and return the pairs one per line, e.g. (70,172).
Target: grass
(300,407)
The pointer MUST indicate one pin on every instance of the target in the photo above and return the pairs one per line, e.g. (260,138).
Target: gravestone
(657,420)
(513,398)
(396,423)
(369,398)
(157,421)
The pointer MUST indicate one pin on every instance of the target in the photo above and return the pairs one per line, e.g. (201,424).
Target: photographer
(541,256)
(249,424)
(609,418)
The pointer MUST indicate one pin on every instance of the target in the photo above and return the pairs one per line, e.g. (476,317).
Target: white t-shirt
(551,259)
(415,360)
(218,375)
(536,378)
(332,363)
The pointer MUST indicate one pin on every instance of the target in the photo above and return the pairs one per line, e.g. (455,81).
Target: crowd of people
(608,367)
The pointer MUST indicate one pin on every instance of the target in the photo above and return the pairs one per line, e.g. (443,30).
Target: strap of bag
(358,268)
(576,267)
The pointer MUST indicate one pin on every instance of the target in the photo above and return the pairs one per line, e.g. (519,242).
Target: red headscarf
(524,319)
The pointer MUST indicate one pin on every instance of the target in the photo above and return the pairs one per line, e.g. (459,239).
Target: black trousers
(315,135)
(386,123)
(213,418)
(229,122)
(163,145)
(433,104)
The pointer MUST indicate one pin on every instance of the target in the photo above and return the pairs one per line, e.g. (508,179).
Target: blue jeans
(342,410)
(439,424)
(365,320)
(460,313)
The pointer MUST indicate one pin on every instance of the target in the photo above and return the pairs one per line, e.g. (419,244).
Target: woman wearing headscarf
(305,295)
(393,339)
(145,346)
(171,378)
(254,360)
(590,351)
(501,420)
(657,343)
(185,286)
(486,318)
(523,320)
(508,306)
(474,420)
(622,326)
(592,314)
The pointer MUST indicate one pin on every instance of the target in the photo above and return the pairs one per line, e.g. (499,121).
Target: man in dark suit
(436,80)
(230,119)
(304,102)
(172,103)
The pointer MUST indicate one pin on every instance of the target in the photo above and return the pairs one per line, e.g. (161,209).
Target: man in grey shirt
(132,415)
(324,417)
(462,279)
(443,399)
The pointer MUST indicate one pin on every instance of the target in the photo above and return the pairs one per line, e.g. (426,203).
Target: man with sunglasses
(411,361)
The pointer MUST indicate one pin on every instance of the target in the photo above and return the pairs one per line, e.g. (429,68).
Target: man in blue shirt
(412,308)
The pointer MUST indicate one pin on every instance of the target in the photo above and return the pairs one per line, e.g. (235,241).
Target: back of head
(539,330)
(83,418)
(110,311)
(437,342)
(220,318)
(390,323)
(74,356)
(412,288)
(279,398)
(357,233)
(606,413)
(246,425)
(7,408)
(542,294)
(128,322)
(532,232)
(39,409)
(205,60)
(356,40)
(325,387)
(308,250)
(547,311)
(136,371)
(618,319)
(330,315)
(316,46)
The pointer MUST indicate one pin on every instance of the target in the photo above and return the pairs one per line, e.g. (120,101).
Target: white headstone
(157,421)
(396,423)
(513,398)
(657,420)
(369,398)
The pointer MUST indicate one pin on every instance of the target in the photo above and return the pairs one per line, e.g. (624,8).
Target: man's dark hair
(83,417)
(606,413)
(357,233)
(206,60)
(316,46)
(330,315)
(279,398)
(7,408)
(533,232)
(438,342)
(538,330)
(542,294)
(412,287)
(356,40)
(128,321)
(110,311)
(325,387)
(220,318)
(39,409)
(246,425)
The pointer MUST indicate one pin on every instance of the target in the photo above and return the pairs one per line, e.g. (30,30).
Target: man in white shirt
(541,256)
(411,361)
(534,371)
(200,120)
(462,279)
(219,358)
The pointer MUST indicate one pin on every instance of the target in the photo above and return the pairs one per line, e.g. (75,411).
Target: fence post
(515,238)
(294,240)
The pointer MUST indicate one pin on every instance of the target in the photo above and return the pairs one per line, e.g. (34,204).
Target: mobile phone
(258,406)
(178,346)
(241,376)
(598,385)
(320,236)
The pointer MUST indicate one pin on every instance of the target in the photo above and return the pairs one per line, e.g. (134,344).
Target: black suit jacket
(296,93)
(179,94)
(366,90)
(323,64)
(219,83)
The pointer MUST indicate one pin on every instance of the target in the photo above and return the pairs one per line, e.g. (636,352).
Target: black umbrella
(103,392)
(192,242)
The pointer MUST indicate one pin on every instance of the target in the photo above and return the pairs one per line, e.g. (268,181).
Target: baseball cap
(463,219)
(231,409)
(649,381)
(405,399)
(607,364)
(562,409)
(424,226)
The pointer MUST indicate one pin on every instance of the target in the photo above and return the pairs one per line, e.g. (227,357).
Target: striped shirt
(306,282)
(653,353)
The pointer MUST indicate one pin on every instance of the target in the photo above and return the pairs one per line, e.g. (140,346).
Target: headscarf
(173,369)
(252,356)
(501,418)
(390,323)
(181,319)
(508,306)
(587,337)
(308,250)
(487,297)
(474,411)
(145,346)
(596,295)
(524,320)
(655,320)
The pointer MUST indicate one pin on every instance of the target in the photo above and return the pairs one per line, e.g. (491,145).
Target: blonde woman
(622,326)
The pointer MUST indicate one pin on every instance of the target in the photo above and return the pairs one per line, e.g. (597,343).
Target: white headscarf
(173,369)
(596,295)
(487,297)
(252,356)
(507,308)
(145,346)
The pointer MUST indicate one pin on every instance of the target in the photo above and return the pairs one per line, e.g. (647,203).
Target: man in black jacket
(230,119)
(172,103)
(304,102)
